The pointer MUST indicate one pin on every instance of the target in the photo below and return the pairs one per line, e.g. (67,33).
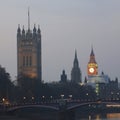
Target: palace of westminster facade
(29,63)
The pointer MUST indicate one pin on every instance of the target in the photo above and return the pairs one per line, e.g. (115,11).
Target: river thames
(108,116)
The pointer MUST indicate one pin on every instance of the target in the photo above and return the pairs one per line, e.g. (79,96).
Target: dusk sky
(65,25)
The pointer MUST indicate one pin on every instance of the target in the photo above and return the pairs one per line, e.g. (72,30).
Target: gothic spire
(76,72)
(92,52)
(92,56)
(75,54)
(75,59)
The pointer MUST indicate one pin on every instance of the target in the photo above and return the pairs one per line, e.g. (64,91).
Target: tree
(5,84)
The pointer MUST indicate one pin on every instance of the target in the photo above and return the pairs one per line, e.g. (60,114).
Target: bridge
(63,106)
(90,103)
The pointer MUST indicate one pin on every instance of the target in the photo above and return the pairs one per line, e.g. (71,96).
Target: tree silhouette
(6,85)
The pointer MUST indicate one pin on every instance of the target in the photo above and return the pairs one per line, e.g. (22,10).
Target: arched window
(30,60)
(27,61)
(23,60)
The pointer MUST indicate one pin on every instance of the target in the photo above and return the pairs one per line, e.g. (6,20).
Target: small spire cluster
(28,34)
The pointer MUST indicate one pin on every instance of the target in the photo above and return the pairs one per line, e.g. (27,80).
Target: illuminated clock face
(91,70)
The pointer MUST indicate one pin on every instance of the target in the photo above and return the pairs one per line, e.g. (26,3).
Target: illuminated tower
(92,67)
(29,52)
(76,72)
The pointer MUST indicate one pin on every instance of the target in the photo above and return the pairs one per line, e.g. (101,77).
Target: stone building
(29,52)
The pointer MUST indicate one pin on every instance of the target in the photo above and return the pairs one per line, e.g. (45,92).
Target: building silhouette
(63,77)
(29,52)
(76,75)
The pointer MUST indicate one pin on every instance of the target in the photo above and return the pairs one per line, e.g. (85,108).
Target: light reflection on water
(108,116)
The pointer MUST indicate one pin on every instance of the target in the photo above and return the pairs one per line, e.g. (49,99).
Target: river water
(108,116)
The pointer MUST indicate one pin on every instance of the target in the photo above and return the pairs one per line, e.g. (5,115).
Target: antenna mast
(28,19)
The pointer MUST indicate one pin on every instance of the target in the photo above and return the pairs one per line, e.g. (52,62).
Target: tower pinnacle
(76,64)
(75,54)
(92,52)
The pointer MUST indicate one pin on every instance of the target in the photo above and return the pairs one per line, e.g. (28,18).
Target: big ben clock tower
(92,67)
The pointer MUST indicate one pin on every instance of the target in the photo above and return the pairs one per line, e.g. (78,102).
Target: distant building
(108,91)
(29,52)
(104,87)
(63,77)
(76,75)
(95,79)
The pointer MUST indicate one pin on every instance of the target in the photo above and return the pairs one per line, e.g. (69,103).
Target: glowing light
(113,105)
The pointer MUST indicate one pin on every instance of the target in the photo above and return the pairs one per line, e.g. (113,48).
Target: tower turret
(39,32)
(34,29)
(18,32)
(23,33)
(34,32)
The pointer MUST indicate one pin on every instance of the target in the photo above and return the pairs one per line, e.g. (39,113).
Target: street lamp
(62,96)
(111,95)
(3,100)
(32,99)
(87,96)
(117,95)
(24,99)
(43,96)
(43,99)
(70,96)
(51,98)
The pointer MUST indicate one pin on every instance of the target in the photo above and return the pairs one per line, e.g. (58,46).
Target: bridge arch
(15,108)
(89,104)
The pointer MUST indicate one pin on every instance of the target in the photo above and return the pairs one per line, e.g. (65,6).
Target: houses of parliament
(29,55)
(29,62)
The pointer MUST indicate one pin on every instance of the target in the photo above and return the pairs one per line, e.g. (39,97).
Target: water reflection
(115,115)
(108,116)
